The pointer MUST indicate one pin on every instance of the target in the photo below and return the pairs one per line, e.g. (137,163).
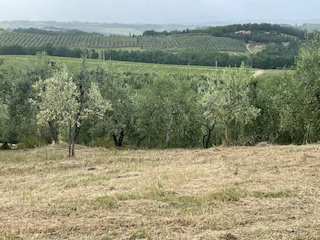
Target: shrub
(30,142)
(5,146)
(102,142)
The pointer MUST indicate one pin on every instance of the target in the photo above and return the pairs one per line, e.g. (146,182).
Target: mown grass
(160,194)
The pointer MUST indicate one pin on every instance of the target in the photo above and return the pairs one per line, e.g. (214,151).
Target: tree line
(264,32)
(49,49)
(101,106)
(274,56)
(63,32)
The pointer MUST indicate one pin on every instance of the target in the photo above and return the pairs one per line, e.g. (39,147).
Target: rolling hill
(267,46)
(167,43)
(102,28)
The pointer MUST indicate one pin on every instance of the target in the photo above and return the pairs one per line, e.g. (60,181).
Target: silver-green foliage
(59,100)
(169,113)
(301,115)
(226,99)
(3,120)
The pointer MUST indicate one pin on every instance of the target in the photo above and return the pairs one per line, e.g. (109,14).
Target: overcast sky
(160,11)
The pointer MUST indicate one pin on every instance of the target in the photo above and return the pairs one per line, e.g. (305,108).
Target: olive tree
(225,98)
(301,112)
(308,81)
(59,101)
(16,89)
(3,123)
(168,112)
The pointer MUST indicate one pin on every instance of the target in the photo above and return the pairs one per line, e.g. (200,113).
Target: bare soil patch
(269,192)
(258,73)
(255,47)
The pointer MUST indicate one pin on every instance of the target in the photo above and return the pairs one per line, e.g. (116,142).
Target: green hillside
(192,42)
(102,28)
(310,27)
(77,41)
(121,66)
(266,46)
(73,64)
(168,43)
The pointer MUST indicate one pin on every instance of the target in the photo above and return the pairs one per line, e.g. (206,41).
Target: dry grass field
(267,192)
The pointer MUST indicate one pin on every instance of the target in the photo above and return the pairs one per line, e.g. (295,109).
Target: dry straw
(266,192)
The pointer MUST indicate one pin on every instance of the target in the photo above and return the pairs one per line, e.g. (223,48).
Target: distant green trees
(67,32)
(263,60)
(49,49)
(271,58)
(264,32)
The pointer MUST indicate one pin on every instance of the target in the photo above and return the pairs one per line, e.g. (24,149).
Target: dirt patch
(255,47)
(258,73)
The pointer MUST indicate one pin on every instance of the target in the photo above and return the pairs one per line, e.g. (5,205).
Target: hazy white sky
(159,11)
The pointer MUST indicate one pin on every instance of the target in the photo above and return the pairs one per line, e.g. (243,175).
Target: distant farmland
(192,42)
(92,41)
(167,43)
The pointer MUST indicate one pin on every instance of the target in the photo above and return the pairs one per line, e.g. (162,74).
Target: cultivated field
(266,192)
(192,42)
(166,43)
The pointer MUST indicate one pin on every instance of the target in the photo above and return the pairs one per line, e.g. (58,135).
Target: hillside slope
(167,43)
(267,46)
(103,28)
(192,42)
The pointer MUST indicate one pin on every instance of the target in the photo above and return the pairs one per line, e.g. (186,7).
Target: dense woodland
(156,110)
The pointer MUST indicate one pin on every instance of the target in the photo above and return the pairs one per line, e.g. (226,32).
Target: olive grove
(45,102)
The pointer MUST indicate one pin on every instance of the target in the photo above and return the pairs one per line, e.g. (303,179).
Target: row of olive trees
(17,116)
(39,95)
(161,110)
(147,110)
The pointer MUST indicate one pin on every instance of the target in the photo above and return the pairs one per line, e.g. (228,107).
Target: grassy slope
(266,192)
(74,63)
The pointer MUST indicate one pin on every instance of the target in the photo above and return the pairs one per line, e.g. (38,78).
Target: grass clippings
(219,193)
